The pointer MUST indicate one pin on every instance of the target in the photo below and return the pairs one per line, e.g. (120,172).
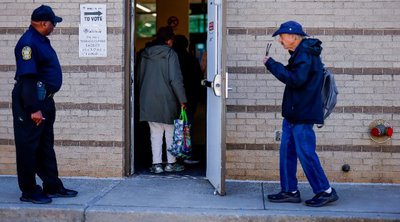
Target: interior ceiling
(151,5)
(154,1)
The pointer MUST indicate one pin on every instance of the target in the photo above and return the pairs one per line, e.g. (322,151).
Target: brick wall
(361,41)
(89,129)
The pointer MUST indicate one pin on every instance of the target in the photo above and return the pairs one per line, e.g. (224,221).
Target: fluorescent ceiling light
(139,6)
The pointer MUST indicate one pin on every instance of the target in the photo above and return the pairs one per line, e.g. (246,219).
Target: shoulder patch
(26,53)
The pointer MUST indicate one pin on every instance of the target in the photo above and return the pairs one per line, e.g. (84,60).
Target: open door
(215,172)
(216,94)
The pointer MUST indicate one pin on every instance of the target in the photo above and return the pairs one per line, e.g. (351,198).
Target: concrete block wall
(89,129)
(361,47)
(361,41)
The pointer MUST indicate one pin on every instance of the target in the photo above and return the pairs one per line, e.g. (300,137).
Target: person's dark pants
(35,146)
(299,142)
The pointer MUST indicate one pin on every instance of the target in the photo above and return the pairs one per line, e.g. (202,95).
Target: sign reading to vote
(93,14)
(93,31)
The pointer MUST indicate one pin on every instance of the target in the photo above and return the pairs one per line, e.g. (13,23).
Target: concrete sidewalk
(170,198)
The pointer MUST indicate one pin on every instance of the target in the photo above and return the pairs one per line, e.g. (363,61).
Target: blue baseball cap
(290,27)
(45,13)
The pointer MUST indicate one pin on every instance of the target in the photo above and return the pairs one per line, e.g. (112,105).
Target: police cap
(45,13)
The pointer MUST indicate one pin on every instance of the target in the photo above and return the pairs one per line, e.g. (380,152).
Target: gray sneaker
(174,167)
(156,168)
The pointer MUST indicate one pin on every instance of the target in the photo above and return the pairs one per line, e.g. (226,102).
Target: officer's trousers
(35,146)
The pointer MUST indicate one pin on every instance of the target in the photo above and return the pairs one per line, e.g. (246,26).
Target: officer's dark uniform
(38,77)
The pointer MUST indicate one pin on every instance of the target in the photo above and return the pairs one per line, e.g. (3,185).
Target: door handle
(215,85)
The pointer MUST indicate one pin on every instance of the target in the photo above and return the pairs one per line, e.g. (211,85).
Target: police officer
(38,78)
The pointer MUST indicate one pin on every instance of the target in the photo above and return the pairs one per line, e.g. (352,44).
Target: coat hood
(157,52)
(312,46)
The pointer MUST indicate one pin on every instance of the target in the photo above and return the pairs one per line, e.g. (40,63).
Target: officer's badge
(26,53)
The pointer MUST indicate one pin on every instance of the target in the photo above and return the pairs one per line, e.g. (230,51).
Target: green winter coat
(160,83)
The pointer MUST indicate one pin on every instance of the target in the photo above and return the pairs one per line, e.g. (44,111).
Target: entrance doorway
(145,29)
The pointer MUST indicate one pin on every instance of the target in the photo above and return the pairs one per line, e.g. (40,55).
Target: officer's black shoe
(285,197)
(37,196)
(62,192)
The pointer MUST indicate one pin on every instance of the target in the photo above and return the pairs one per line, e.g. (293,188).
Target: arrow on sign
(98,13)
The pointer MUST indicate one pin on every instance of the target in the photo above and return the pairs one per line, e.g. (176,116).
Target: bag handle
(183,115)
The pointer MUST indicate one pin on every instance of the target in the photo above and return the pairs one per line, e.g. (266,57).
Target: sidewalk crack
(103,193)
(262,195)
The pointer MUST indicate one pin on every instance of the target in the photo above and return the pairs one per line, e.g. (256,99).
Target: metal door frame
(129,63)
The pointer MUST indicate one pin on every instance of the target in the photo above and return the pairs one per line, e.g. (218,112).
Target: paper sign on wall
(93,31)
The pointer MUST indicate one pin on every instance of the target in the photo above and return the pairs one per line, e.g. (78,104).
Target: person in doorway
(301,109)
(191,72)
(38,77)
(161,91)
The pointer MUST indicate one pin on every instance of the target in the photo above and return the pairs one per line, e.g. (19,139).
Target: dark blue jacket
(35,56)
(36,61)
(303,77)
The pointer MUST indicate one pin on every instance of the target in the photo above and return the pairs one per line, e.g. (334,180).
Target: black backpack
(328,94)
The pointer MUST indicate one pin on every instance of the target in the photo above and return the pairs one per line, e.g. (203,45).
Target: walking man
(301,109)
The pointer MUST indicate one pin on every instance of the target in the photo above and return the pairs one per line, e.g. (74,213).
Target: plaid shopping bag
(181,146)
